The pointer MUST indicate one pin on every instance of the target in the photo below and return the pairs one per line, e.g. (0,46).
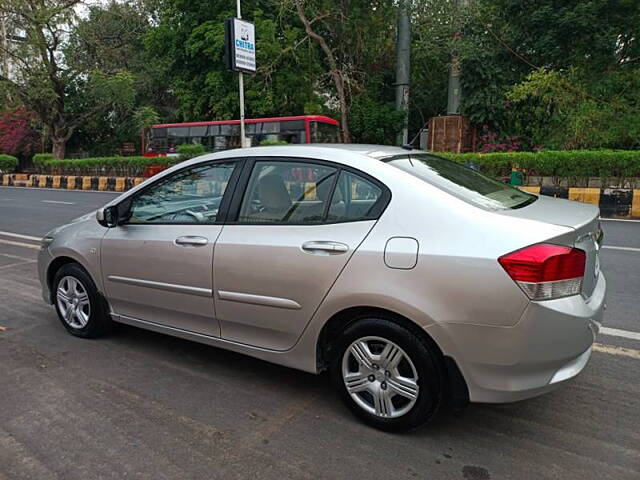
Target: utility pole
(241,88)
(455,93)
(4,53)
(403,67)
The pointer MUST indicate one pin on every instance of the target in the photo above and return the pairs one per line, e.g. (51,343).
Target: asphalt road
(142,405)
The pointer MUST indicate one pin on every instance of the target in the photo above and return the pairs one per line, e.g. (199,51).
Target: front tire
(387,375)
(78,304)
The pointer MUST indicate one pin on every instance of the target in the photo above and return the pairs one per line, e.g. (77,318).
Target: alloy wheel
(73,302)
(380,377)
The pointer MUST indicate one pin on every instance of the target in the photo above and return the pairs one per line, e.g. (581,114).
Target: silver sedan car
(414,281)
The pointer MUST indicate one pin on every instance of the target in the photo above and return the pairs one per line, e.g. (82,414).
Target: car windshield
(462,182)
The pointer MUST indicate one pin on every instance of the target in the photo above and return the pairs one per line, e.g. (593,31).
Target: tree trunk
(336,74)
(59,147)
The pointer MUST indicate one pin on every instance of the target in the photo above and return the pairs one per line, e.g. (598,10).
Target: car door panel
(157,264)
(268,287)
(148,276)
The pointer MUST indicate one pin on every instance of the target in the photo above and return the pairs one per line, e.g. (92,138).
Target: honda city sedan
(416,282)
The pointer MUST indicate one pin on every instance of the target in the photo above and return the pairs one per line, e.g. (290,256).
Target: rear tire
(79,306)
(395,377)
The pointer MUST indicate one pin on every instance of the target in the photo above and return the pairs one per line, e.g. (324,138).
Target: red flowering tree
(17,136)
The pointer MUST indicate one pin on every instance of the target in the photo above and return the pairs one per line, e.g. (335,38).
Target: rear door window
(354,199)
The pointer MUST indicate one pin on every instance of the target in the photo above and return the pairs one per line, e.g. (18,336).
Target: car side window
(354,198)
(282,192)
(189,196)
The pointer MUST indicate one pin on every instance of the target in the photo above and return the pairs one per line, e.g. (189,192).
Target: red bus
(164,138)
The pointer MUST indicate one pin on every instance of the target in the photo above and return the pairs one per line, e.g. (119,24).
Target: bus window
(324,133)
(198,135)
(157,140)
(292,131)
(177,136)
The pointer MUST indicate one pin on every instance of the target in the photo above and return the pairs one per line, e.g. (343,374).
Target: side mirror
(108,216)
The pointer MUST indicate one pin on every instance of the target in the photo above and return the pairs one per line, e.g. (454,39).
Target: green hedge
(188,151)
(101,166)
(577,164)
(8,164)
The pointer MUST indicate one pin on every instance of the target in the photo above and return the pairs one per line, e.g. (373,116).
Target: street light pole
(241,88)
(403,67)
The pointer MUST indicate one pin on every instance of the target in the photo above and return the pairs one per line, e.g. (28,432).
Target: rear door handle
(324,247)
(191,241)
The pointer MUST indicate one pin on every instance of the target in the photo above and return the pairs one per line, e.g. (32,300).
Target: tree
(559,75)
(188,42)
(62,95)
(17,135)
(357,40)
(337,73)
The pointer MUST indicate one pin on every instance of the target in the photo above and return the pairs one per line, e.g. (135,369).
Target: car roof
(373,151)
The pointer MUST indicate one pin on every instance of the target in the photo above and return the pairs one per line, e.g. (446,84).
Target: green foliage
(104,166)
(272,143)
(188,42)
(558,75)
(39,160)
(576,165)
(554,75)
(188,151)
(375,122)
(8,163)
(145,117)
(563,114)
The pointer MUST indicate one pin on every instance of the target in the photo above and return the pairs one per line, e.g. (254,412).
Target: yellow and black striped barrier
(613,202)
(71,182)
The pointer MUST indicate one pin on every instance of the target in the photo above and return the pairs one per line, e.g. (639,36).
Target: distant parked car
(413,280)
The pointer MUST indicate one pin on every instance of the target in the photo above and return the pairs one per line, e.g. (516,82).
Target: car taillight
(545,271)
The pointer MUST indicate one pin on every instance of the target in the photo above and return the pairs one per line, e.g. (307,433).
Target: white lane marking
(17,264)
(625,352)
(61,190)
(618,220)
(19,235)
(624,249)
(614,332)
(57,201)
(15,257)
(20,244)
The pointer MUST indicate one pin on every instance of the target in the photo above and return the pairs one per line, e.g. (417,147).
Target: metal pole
(455,93)
(5,55)
(241,87)
(403,67)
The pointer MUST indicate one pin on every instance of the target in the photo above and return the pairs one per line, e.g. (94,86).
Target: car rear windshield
(462,181)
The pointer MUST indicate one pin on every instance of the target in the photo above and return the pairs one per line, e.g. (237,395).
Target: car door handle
(191,241)
(324,247)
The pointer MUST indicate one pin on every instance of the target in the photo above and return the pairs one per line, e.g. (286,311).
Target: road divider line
(621,351)
(615,332)
(17,264)
(19,235)
(20,244)
(15,257)
(624,249)
(57,201)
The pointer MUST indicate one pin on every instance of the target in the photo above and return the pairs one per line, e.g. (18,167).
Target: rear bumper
(550,344)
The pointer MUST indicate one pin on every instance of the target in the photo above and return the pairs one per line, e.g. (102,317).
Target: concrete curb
(71,182)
